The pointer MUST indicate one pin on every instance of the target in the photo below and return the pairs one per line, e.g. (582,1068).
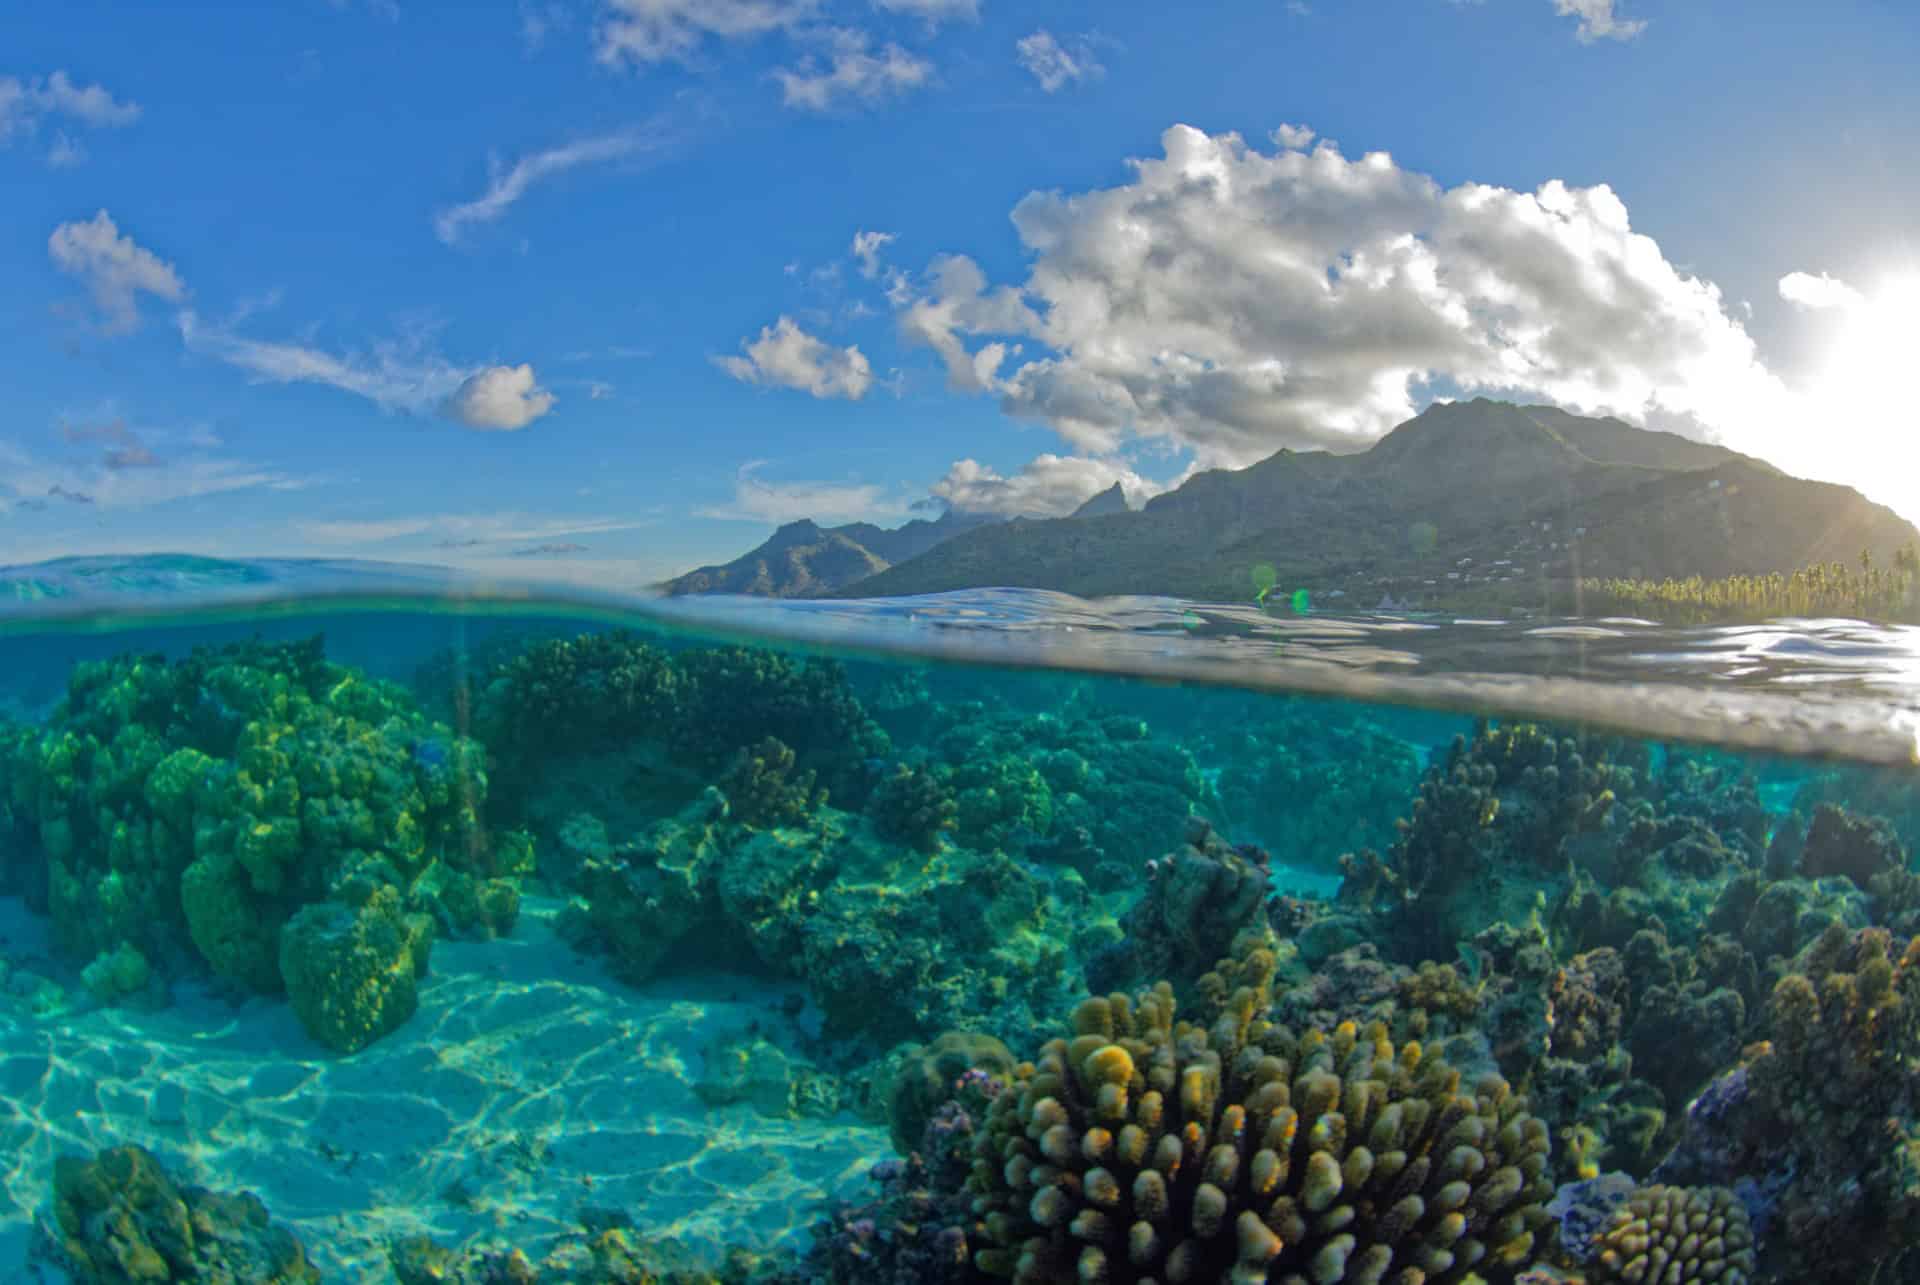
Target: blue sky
(606,288)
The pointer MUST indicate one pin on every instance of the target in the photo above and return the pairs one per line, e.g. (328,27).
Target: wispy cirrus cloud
(755,499)
(1055,64)
(27,104)
(394,376)
(852,70)
(645,32)
(115,270)
(29,481)
(401,375)
(508,183)
(448,531)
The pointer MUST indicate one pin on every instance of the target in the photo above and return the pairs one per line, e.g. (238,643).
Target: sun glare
(1862,400)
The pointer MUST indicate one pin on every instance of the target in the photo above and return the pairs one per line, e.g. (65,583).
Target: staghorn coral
(1139,1149)
(120,1219)
(1676,1236)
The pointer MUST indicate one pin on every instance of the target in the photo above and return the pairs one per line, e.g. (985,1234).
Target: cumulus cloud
(115,270)
(1048,486)
(1056,65)
(786,356)
(1598,21)
(645,32)
(757,500)
(508,184)
(394,376)
(1231,302)
(934,11)
(500,399)
(958,301)
(1817,292)
(25,104)
(852,70)
(866,250)
(1294,137)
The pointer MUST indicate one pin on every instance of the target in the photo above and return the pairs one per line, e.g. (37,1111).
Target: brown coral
(1142,1150)
(1677,1236)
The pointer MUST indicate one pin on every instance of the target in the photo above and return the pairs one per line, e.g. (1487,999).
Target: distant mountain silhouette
(1111,500)
(1468,502)
(803,559)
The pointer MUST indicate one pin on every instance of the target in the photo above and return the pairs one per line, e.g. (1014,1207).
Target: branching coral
(1677,1236)
(1142,1150)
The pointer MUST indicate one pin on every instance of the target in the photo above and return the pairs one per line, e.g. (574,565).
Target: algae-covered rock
(122,975)
(121,1220)
(919,1077)
(352,973)
(747,1068)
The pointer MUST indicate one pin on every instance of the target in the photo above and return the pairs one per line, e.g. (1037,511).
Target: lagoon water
(491,932)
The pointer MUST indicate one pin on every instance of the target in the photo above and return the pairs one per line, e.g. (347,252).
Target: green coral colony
(1147,985)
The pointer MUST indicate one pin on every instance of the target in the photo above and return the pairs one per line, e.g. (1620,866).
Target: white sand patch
(527,1086)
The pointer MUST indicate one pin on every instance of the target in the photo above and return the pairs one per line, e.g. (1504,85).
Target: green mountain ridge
(1468,502)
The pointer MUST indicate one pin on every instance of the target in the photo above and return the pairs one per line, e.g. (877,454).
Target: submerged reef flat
(613,957)
(522,1093)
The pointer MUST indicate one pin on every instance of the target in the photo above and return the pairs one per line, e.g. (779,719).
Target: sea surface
(486,931)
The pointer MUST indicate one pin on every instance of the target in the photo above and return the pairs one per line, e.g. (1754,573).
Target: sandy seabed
(528,1086)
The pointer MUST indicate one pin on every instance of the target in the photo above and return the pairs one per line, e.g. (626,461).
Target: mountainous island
(1477,504)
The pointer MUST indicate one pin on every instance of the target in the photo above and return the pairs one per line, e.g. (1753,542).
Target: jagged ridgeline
(656,958)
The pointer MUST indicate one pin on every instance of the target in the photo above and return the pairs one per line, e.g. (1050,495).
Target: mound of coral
(189,812)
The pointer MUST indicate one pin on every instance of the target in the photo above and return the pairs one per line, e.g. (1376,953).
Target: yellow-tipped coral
(1241,1153)
(1677,1236)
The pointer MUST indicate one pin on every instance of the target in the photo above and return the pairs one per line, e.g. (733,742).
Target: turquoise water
(485,934)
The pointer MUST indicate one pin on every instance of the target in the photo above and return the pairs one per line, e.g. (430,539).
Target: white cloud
(116,271)
(24,104)
(111,482)
(1293,137)
(500,398)
(1598,21)
(459,530)
(852,72)
(959,302)
(1231,302)
(788,357)
(934,11)
(509,184)
(1056,65)
(1047,486)
(645,32)
(1817,292)
(828,503)
(866,248)
(394,376)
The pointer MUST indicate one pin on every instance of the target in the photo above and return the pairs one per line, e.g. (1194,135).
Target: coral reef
(190,809)
(1142,1150)
(921,1077)
(1817,1130)
(1676,1235)
(1198,898)
(913,807)
(120,1218)
(764,789)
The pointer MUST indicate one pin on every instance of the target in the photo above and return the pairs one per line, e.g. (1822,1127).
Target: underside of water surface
(565,944)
